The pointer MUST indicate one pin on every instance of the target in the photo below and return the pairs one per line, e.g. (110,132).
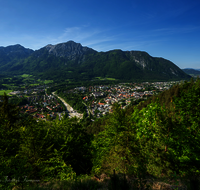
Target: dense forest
(159,137)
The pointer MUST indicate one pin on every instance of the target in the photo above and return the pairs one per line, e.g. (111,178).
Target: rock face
(154,64)
(140,58)
(70,50)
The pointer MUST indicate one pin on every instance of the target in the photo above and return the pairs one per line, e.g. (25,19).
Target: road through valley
(71,111)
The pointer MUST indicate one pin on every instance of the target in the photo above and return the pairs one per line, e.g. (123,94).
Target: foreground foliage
(156,138)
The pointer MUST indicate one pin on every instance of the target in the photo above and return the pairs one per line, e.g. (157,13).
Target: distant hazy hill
(72,60)
(191,71)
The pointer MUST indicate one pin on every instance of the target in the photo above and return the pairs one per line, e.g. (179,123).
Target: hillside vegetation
(159,137)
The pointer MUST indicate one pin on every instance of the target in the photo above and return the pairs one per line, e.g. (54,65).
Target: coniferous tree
(10,139)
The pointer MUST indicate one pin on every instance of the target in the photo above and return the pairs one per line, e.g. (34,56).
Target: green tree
(10,140)
(74,143)
(169,132)
(116,147)
(188,114)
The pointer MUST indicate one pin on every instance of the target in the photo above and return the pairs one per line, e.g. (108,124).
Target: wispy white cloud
(173,30)
(86,35)
(106,39)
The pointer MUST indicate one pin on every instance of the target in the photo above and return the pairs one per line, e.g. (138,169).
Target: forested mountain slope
(10,55)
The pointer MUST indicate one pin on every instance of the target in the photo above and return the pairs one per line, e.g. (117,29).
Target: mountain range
(71,60)
(193,68)
(191,71)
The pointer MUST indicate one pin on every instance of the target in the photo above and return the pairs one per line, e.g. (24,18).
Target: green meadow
(110,78)
(6,91)
(26,75)
(48,81)
(101,78)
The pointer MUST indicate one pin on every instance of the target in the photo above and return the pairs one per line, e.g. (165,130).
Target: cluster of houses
(43,106)
(104,96)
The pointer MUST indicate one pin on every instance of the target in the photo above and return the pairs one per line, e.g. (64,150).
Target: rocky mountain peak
(70,50)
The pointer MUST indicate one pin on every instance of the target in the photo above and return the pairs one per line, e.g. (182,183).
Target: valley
(35,96)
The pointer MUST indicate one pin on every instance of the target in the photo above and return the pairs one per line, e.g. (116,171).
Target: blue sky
(163,28)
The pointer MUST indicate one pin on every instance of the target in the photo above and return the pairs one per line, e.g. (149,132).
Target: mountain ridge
(74,61)
(191,71)
(68,49)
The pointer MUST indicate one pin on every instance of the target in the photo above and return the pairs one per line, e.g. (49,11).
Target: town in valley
(39,101)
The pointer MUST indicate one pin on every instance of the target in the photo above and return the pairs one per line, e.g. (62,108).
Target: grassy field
(45,82)
(26,75)
(34,84)
(100,78)
(9,86)
(110,78)
(6,91)
(48,81)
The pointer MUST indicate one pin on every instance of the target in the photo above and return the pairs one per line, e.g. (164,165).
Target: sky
(162,28)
